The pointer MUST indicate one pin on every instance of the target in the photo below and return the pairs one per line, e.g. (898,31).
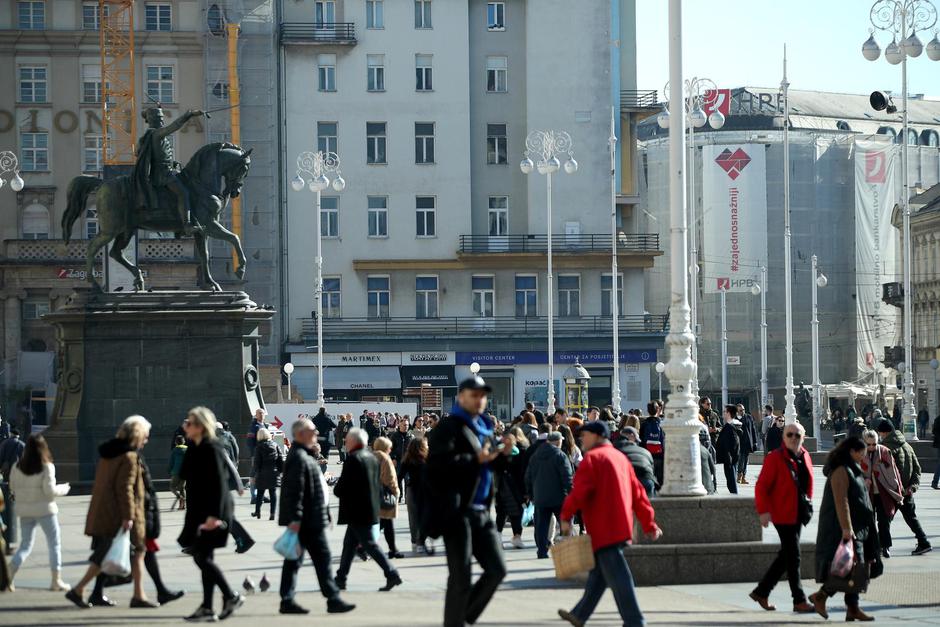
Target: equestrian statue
(161,196)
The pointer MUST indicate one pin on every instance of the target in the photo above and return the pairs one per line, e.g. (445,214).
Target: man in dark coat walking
(303,510)
(325,426)
(629,444)
(463,457)
(547,482)
(358,490)
(728,447)
(750,440)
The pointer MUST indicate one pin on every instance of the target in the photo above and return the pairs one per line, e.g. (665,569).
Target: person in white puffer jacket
(32,482)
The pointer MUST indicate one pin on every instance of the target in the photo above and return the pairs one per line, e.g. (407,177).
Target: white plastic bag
(118,559)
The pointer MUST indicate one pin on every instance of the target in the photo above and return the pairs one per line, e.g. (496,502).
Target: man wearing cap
(607,493)
(640,458)
(463,454)
(909,467)
(547,482)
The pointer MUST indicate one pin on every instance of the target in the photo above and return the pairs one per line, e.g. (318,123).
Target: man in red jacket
(607,493)
(784,488)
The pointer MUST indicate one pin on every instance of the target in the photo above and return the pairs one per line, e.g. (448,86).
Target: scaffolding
(118,100)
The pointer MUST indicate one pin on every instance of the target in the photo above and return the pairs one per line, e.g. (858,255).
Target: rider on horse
(156,168)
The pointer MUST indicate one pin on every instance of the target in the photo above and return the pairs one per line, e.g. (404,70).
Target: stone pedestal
(157,354)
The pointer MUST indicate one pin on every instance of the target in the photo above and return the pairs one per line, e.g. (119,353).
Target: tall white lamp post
(288,370)
(819,280)
(545,147)
(682,475)
(760,289)
(724,347)
(9,163)
(789,412)
(318,166)
(902,19)
(614,272)
(660,369)
(696,91)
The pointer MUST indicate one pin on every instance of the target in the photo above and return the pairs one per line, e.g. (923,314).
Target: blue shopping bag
(528,515)
(288,545)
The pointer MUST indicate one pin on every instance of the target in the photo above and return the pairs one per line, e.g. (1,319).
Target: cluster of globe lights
(697,118)
(895,52)
(548,166)
(8,163)
(318,183)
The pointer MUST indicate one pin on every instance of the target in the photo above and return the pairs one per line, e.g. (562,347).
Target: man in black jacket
(548,481)
(461,464)
(304,512)
(750,441)
(728,447)
(358,490)
(325,426)
(629,444)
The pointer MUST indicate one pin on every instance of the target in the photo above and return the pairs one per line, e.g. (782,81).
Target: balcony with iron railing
(318,33)
(627,243)
(475,326)
(639,100)
(42,251)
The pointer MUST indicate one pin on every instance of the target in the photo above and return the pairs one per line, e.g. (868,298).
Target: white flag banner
(876,193)
(734,216)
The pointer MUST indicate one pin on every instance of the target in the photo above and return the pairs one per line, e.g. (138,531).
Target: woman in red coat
(782,496)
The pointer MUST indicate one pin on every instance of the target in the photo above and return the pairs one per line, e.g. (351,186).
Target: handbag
(572,556)
(117,561)
(288,545)
(389,501)
(856,581)
(804,506)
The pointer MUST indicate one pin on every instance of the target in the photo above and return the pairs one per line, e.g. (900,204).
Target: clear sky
(737,43)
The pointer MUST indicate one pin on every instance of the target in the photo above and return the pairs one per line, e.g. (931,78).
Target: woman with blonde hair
(208,511)
(388,503)
(117,503)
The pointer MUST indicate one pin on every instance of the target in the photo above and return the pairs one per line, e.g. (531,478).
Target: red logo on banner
(876,166)
(724,283)
(733,162)
(717,100)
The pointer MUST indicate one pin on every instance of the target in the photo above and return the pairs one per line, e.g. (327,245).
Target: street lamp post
(789,411)
(819,280)
(682,467)
(9,163)
(318,166)
(660,369)
(724,347)
(614,273)
(288,370)
(902,19)
(545,147)
(696,90)
(760,289)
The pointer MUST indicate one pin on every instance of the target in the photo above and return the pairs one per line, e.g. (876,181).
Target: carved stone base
(151,353)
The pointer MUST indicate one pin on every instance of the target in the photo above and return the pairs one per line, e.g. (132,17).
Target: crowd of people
(561,473)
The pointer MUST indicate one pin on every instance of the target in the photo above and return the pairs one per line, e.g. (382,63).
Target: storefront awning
(361,378)
(435,376)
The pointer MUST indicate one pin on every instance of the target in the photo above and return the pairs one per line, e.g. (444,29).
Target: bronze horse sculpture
(214,174)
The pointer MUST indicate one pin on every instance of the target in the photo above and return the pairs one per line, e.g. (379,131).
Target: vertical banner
(734,216)
(876,194)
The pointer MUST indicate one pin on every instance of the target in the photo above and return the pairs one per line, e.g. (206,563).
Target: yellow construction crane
(118,98)
(234,95)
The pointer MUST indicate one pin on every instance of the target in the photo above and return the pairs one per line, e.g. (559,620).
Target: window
(569,295)
(92,153)
(331,297)
(220,91)
(375,72)
(326,136)
(484,295)
(90,19)
(499,215)
(526,299)
(34,309)
(375,142)
(375,14)
(157,16)
(378,296)
(215,20)
(91,222)
(326,72)
(33,83)
(605,294)
(497,74)
(496,16)
(426,297)
(32,15)
(423,72)
(160,83)
(91,83)
(424,211)
(497,146)
(422,13)
(35,152)
(325,11)
(929,138)
(378,216)
(35,222)
(424,142)
(329,216)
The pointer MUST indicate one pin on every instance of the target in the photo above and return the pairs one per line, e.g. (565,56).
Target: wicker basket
(572,556)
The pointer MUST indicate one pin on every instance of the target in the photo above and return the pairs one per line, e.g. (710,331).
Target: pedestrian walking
(414,470)
(923,421)
(653,439)
(783,496)
(608,495)
(548,481)
(117,503)
(388,506)
(509,484)
(6,578)
(568,445)
(750,441)
(177,485)
(727,448)
(11,449)
(266,467)
(844,516)
(709,418)
(707,457)
(935,483)
(359,493)
(774,438)
(229,444)
(208,512)
(462,459)
(257,423)
(339,435)
(400,438)
(767,421)
(856,428)
(909,467)
(885,488)
(641,459)
(33,484)
(325,425)
(304,501)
